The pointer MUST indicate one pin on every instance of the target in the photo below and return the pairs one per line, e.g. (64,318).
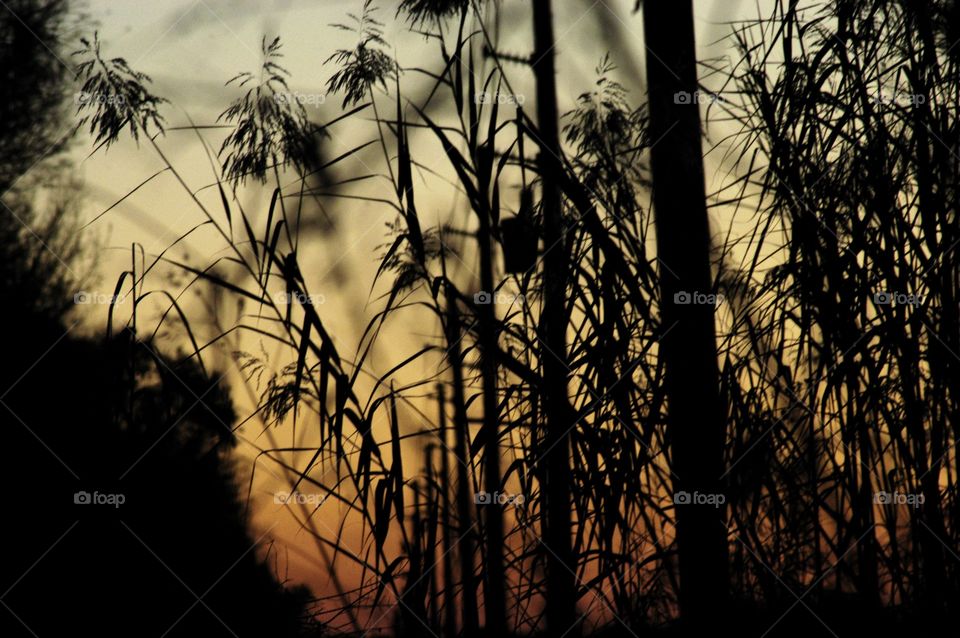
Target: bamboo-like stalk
(829,395)
(688,346)
(446,515)
(552,333)
(468,596)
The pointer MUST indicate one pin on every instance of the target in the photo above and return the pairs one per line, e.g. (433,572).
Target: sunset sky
(190,48)
(612,318)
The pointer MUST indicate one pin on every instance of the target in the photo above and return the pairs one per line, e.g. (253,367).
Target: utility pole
(561,603)
(696,415)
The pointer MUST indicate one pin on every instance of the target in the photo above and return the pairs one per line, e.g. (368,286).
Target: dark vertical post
(688,347)
(461,451)
(494,602)
(430,560)
(449,590)
(561,588)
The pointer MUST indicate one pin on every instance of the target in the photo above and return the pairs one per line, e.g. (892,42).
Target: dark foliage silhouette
(641,407)
(83,417)
(119,418)
(36,90)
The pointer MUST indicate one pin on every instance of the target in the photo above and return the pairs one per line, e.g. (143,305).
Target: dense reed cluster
(536,465)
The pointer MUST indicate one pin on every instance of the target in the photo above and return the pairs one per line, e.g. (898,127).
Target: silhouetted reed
(837,343)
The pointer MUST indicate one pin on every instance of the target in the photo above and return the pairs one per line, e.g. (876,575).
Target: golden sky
(191,47)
